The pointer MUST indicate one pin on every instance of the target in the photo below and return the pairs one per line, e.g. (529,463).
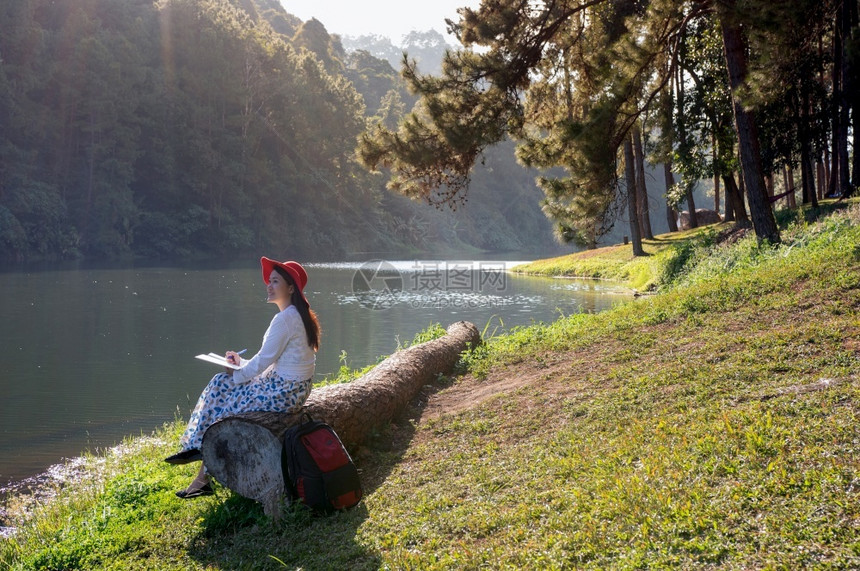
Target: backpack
(318,470)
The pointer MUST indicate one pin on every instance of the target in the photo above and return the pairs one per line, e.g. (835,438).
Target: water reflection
(97,354)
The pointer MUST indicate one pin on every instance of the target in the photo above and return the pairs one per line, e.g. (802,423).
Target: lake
(96,354)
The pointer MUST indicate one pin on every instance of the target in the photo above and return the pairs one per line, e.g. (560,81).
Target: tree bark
(820,178)
(823,155)
(243,452)
(853,18)
(671,214)
(716,193)
(763,221)
(716,174)
(630,176)
(730,191)
(844,103)
(667,133)
(691,208)
(730,206)
(688,194)
(836,129)
(790,200)
(807,175)
(641,188)
(739,211)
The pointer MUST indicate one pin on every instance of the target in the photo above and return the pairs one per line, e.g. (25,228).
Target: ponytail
(309,316)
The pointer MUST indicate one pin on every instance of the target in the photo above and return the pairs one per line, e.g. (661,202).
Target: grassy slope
(688,429)
(617,262)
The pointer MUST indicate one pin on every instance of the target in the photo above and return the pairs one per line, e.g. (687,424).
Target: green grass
(671,432)
(617,263)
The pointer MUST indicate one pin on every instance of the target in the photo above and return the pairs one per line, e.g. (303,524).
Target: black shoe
(185,457)
(188,494)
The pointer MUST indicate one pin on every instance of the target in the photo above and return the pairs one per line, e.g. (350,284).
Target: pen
(238,353)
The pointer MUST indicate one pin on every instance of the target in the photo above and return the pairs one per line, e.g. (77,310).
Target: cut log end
(247,458)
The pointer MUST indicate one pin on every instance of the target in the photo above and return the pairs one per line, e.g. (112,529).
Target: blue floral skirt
(221,398)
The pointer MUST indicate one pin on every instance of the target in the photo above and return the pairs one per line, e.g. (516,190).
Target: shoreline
(45,486)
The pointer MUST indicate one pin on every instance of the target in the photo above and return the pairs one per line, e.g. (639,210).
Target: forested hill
(182,128)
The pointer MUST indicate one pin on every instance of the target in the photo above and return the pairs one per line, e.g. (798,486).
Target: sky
(391,18)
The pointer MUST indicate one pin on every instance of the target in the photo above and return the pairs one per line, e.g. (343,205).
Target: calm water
(93,355)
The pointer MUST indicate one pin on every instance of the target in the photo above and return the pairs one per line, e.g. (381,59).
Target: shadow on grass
(810,214)
(236,534)
(386,446)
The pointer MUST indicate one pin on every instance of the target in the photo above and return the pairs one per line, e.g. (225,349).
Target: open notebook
(218,360)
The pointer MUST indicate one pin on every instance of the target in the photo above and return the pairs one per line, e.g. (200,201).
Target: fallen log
(243,452)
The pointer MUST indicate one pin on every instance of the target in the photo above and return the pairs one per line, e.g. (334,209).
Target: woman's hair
(309,317)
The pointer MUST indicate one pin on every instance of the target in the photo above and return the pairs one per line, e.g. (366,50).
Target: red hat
(295,269)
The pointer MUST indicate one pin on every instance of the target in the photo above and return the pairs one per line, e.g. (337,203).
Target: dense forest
(177,128)
(760,98)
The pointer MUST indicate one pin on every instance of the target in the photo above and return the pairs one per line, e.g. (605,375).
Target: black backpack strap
(286,451)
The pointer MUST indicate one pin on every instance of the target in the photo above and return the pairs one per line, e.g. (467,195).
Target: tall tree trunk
(671,214)
(679,88)
(641,189)
(808,179)
(844,106)
(790,200)
(730,200)
(717,193)
(809,196)
(820,178)
(667,133)
(630,176)
(730,191)
(807,175)
(716,174)
(835,114)
(851,81)
(737,199)
(822,157)
(691,207)
(763,221)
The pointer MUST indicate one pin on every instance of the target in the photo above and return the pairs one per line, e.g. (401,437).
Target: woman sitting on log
(278,378)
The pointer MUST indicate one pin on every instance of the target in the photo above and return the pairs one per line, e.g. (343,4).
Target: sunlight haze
(391,18)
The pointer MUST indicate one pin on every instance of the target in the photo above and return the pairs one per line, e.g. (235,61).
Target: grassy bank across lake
(711,425)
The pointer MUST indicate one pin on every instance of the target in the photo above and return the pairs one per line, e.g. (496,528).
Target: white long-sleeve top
(285,350)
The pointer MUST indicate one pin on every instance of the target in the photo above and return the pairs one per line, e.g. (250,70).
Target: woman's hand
(233,357)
